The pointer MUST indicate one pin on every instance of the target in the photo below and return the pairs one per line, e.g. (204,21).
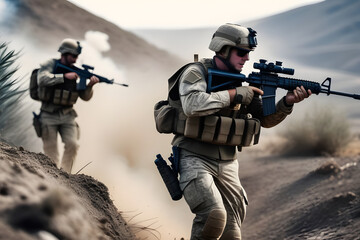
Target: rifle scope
(273,68)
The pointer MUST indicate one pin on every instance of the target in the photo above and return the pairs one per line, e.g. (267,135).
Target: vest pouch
(257,132)
(64,97)
(57,96)
(164,117)
(45,93)
(208,133)
(192,127)
(252,132)
(73,98)
(180,122)
(224,130)
(236,137)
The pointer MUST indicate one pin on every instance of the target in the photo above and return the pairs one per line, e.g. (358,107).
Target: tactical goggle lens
(241,52)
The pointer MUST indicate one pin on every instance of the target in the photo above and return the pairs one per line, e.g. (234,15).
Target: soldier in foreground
(58,93)
(209,128)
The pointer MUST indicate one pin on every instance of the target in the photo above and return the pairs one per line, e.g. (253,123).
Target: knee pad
(231,235)
(214,225)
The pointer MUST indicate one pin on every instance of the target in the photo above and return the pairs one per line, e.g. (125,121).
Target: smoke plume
(119,140)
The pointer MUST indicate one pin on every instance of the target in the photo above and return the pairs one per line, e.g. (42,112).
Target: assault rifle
(268,80)
(84,74)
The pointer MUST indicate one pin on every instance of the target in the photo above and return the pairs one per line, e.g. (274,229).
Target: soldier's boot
(215,225)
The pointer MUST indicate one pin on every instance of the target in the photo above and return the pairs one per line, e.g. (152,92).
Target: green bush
(324,131)
(10,97)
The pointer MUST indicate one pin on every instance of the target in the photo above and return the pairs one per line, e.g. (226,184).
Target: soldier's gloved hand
(93,80)
(71,75)
(244,95)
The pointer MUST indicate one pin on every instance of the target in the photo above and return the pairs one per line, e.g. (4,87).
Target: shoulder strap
(173,81)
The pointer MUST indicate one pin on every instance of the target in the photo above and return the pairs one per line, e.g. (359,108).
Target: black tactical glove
(244,95)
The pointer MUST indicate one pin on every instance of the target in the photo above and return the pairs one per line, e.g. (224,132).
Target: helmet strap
(224,56)
(226,62)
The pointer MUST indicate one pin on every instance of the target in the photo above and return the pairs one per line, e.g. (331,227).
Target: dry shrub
(324,131)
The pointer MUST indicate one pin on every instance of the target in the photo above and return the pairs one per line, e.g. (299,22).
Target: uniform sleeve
(86,94)
(46,77)
(194,98)
(282,111)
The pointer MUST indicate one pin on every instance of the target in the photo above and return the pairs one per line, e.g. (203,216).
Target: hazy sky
(185,13)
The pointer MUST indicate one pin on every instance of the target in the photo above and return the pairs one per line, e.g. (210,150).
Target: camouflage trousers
(65,125)
(213,191)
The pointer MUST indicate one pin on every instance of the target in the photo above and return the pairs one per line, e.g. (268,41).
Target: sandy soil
(39,201)
(301,198)
(290,198)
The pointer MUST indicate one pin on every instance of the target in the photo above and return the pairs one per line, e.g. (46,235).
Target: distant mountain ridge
(323,35)
(46,24)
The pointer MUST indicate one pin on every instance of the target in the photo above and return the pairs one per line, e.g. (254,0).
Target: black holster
(37,123)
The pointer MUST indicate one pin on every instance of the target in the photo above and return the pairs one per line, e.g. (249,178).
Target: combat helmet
(69,45)
(233,35)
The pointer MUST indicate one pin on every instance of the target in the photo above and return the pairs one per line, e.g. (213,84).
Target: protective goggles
(74,55)
(241,52)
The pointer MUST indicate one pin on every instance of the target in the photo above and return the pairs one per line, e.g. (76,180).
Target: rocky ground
(39,201)
(302,198)
(290,198)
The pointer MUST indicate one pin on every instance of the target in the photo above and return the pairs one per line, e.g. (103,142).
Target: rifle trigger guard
(327,84)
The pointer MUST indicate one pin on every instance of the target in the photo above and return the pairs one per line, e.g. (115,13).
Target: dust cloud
(119,140)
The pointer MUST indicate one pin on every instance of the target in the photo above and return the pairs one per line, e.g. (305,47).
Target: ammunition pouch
(58,96)
(223,130)
(212,129)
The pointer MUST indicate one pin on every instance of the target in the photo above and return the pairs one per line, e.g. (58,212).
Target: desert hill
(45,24)
(301,198)
(320,35)
(39,201)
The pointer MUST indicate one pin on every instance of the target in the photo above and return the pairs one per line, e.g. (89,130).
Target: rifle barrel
(121,84)
(355,96)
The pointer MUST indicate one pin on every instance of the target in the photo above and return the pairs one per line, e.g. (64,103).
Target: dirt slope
(302,198)
(37,201)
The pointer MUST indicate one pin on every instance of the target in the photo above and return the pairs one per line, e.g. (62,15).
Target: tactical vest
(231,126)
(64,94)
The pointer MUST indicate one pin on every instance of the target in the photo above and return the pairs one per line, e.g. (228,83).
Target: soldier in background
(208,167)
(58,94)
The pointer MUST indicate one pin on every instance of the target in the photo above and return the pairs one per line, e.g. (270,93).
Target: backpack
(33,88)
(165,112)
